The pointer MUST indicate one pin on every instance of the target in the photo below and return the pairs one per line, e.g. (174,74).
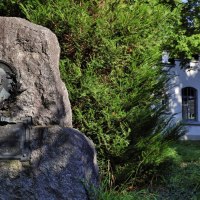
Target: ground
(181,181)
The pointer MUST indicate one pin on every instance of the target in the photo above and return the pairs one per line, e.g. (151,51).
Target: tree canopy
(186,40)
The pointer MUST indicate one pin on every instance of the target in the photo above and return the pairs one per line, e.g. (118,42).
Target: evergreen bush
(110,63)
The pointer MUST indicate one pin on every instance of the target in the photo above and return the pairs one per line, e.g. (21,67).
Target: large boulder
(62,166)
(59,162)
(33,53)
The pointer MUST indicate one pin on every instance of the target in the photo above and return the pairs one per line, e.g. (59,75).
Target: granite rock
(33,53)
(62,161)
(63,165)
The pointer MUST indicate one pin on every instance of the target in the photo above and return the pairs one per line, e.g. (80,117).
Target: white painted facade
(181,81)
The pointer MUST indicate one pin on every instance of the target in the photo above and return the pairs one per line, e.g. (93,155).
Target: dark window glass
(189,103)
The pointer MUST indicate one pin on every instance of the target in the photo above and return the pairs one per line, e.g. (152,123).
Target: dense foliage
(110,62)
(185,43)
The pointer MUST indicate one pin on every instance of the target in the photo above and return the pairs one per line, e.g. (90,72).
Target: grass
(183,179)
(124,195)
(180,182)
(188,150)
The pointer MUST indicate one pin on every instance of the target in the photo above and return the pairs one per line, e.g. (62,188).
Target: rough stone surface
(62,161)
(62,166)
(33,52)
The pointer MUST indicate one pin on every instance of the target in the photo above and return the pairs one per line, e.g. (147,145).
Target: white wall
(185,78)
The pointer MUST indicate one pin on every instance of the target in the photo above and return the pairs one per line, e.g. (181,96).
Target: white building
(184,95)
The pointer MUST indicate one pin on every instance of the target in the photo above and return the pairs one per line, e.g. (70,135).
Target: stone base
(62,166)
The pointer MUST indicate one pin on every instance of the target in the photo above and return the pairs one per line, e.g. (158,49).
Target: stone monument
(41,155)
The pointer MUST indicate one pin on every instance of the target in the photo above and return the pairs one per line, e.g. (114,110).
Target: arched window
(189,103)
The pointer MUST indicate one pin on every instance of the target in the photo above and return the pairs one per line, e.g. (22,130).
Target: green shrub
(110,63)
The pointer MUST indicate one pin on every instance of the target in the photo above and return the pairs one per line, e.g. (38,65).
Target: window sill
(192,123)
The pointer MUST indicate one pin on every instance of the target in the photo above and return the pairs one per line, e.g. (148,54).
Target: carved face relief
(5,81)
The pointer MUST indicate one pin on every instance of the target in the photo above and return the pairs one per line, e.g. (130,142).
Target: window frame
(193,105)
